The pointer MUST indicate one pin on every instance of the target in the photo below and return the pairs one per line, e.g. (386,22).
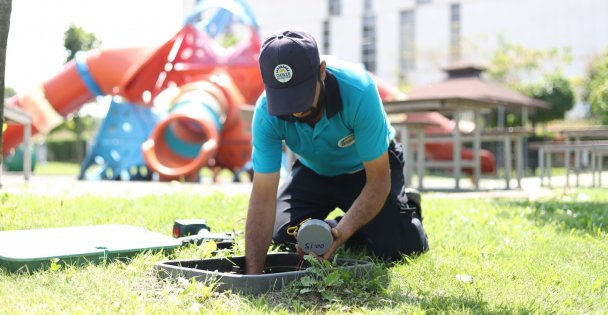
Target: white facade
(581,25)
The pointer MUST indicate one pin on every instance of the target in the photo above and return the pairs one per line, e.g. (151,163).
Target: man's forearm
(260,220)
(365,208)
(258,234)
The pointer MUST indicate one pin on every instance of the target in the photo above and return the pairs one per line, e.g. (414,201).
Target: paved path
(68,185)
(437,187)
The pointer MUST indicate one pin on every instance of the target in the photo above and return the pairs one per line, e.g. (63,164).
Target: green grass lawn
(487,256)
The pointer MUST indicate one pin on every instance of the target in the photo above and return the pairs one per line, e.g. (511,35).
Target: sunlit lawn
(487,256)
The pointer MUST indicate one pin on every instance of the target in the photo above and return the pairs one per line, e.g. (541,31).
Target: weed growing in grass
(55,266)
(322,279)
(194,290)
(330,288)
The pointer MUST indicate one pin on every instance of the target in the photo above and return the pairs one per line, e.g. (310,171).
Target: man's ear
(322,70)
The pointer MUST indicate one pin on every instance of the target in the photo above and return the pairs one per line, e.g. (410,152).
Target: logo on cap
(283,73)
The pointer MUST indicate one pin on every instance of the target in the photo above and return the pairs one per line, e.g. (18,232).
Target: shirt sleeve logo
(347,141)
(283,73)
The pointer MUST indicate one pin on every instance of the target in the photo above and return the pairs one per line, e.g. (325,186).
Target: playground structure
(203,84)
(197,82)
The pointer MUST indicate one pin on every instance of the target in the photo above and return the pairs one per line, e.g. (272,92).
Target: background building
(410,41)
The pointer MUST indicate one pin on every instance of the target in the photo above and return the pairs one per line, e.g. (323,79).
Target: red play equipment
(444,151)
(68,91)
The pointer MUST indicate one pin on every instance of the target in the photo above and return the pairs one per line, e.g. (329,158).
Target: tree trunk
(5,19)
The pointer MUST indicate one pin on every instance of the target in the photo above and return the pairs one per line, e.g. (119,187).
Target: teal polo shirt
(353,129)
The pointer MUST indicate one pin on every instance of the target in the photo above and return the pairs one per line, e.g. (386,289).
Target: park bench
(597,149)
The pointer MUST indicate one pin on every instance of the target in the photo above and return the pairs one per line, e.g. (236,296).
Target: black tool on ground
(197,231)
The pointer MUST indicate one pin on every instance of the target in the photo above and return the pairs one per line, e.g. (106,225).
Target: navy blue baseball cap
(289,61)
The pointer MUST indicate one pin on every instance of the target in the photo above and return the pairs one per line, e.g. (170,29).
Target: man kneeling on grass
(333,119)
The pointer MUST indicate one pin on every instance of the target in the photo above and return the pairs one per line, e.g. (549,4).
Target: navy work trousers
(397,230)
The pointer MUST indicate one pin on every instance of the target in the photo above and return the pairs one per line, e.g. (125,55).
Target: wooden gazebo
(465,91)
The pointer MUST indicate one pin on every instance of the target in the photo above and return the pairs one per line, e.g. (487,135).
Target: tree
(598,89)
(5,23)
(9,92)
(557,91)
(76,39)
(536,73)
(517,66)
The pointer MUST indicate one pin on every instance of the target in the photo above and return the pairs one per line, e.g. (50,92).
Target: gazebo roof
(464,85)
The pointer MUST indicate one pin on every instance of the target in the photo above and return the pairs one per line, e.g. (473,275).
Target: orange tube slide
(203,128)
(170,165)
(98,73)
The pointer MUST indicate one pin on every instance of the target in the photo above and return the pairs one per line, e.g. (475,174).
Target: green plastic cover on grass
(22,250)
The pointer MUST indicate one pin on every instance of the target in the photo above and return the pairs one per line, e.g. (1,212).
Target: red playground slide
(98,72)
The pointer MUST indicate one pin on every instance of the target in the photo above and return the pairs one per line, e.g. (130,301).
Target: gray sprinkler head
(315,236)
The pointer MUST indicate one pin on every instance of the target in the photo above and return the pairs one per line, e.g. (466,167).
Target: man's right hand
(260,220)
(339,239)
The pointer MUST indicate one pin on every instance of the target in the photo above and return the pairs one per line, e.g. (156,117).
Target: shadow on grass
(587,217)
